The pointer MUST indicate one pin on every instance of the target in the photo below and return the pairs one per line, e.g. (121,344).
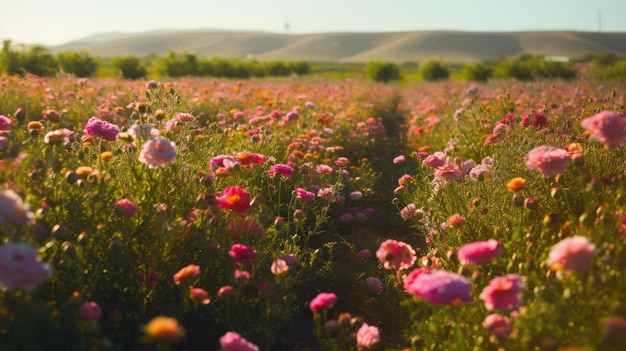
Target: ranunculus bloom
(89,311)
(503,293)
(241,253)
(125,207)
(234,198)
(284,170)
(247,159)
(5,124)
(323,301)
(436,160)
(191,271)
(456,220)
(516,184)
(281,264)
(56,137)
(367,336)
(305,194)
(606,127)
(184,117)
(13,211)
(438,286)
(21,267)
(399,159)
(480,252)
(158,152)
(498,325)
(396,255)
(103,129)
(200,296)
(232,341)
(548,160)
(165,329)
(571,254)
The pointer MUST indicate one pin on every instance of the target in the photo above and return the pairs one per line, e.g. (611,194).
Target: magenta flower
(571,254)
(396,255)
(241,253)
(21,267)
(234,198)
(89,311)
(480,252)
(232,341)
(284,170)
(99,128)
(125,207)
(548,160)
(158,152)
(5,124)
(200,296)
(367,336)
(436,160)
(499,326)
(503,293)
(606,127)
(323,301)
(305,194)
(437,286)
(190,271)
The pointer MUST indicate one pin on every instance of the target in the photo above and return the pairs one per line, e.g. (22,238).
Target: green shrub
(79,64)
(130,66)
(434,70)
(381,71)
(477,72)
(11,61)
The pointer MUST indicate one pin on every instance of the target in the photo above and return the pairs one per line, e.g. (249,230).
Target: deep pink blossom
(323,301)
(498,325)
(99,128)
(571,254)
(606,127)
(284,170)
(438,286)
(234,198)
(396,255)
(5,124)
(21,267)
(480,252)
(89,311)
(232,341)
(125,207)
(504,293)
(548,160)
(242,254)
(305,194)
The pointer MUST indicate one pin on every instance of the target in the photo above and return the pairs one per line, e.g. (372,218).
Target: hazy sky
(53,22)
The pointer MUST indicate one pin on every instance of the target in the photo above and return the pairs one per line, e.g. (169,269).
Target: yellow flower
(106,156)
(165,329)
(516,184)
(84,171)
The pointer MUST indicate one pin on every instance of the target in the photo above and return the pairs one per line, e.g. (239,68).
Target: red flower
(234,198)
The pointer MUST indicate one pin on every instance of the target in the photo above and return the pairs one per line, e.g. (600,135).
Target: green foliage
(11,61)
(611,72)
(80,64)
(477,72)
(130,66)
(433,70)
(526,68)
(382,71)
(36,60)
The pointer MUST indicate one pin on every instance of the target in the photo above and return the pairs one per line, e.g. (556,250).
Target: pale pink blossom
(606,127)
(21,267)
(396,255)
(367,336)
(504,293)
(498,325)
(548,160)
(480,252)
(158,152)
(571,254)
(232,341)
(13,211)
(438,286)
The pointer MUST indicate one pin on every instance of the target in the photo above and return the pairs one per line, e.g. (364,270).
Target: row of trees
(38,59)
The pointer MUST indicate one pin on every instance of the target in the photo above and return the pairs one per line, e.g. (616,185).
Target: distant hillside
(453,46)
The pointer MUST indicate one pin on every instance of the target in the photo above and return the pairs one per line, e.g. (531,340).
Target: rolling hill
(453,46)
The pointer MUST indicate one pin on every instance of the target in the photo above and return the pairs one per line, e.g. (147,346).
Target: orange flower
(165,329)
(191,271)
(516,184)
(106,156)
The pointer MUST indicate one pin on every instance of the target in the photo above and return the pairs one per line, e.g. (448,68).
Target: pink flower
(606,127)
(241,277)
(456,220)
(437,286)
(56,137)
(241,253)
(305,194)
(125,207)
(248,159)
(281,264)
(13,211)
(245,225)
(21,267)
(184,117)
(503,293)
(158,152)
(234,198)
(99,128)
(374,285)
(480,252)
(396,255)
(410,211)
(191,271)
(399,159)
(323,169)
(435,160)
(200,296)
(571,254)
(447,172)
(5,124)
(323,301)
(90,311)
(548,160)
(284,170)
(367,336)
(232,341)
(498,325)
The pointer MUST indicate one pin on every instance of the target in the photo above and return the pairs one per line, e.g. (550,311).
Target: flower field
(202,214)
